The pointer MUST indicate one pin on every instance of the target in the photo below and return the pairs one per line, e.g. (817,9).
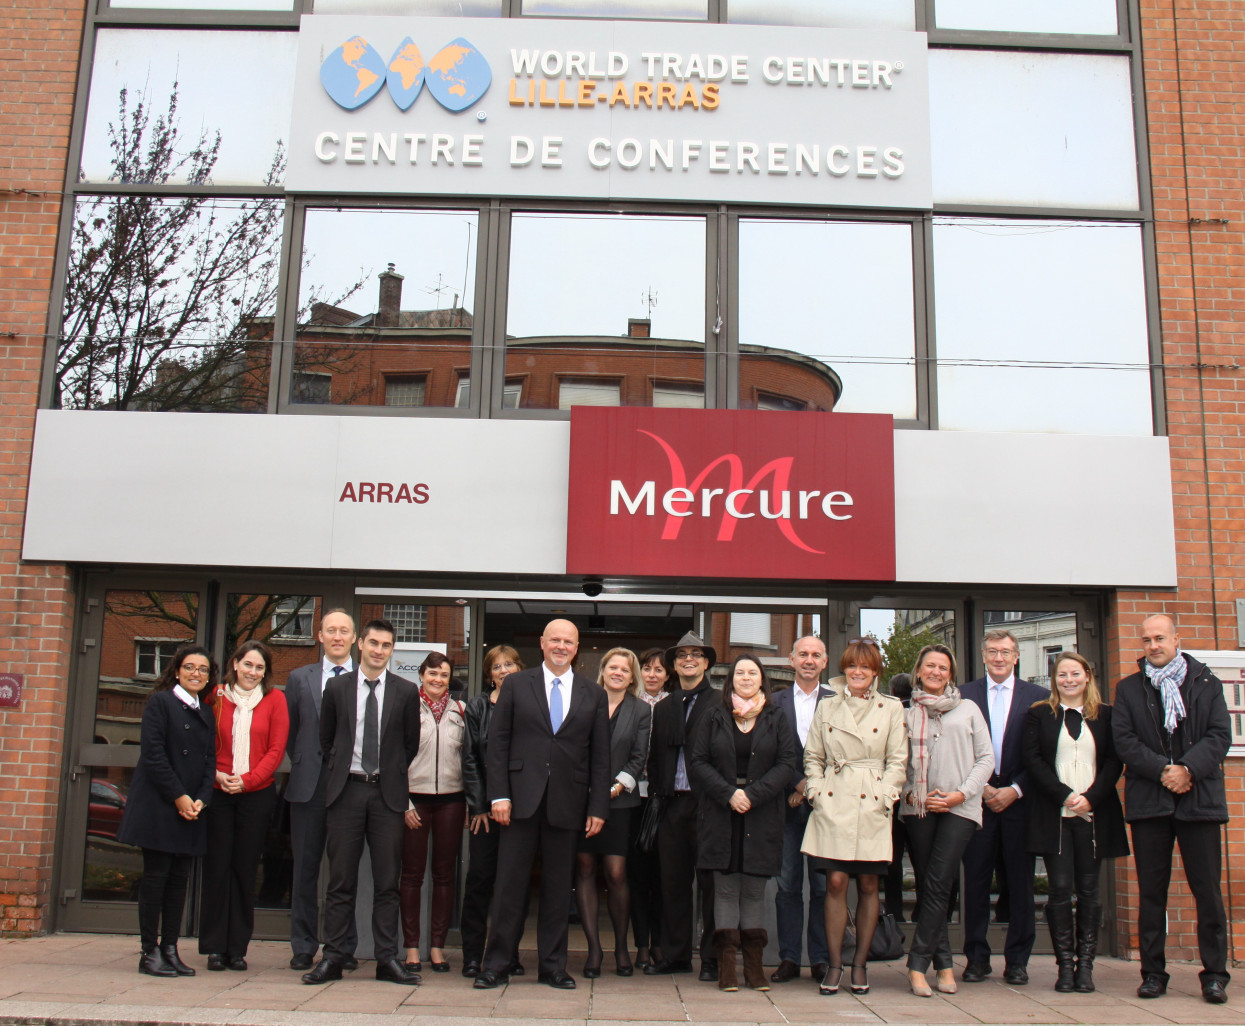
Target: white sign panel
(611,110)
(1229,667)
(490,497)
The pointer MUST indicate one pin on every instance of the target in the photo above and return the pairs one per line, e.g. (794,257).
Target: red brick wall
(38,67)
(1195,102)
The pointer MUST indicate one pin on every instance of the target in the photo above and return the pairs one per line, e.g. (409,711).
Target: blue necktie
(555,705)
(338,670)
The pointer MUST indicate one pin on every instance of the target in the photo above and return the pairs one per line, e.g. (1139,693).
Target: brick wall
(38,68)
(1195,102)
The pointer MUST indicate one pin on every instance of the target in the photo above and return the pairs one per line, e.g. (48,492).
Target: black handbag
(653,808)
(887,944)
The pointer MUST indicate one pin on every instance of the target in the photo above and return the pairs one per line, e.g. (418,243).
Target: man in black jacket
(675,722)
(1172,730)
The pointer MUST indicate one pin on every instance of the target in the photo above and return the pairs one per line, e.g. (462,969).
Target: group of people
(667,786)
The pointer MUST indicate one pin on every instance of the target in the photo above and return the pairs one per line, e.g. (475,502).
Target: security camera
(592,587)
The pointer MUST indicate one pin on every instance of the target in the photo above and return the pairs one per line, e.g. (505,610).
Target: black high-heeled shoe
(860,988)
(623,966)
(830,982)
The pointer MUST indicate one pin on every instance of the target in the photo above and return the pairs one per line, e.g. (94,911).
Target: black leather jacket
(475,747)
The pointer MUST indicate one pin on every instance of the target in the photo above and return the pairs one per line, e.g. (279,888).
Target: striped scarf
(1166,680)
(927,710)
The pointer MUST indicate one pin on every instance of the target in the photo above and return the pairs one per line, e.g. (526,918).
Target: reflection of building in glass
(397,357)
(939,622)
(1041,636)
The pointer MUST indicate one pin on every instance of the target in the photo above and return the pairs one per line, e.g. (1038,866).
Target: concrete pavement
(92,980)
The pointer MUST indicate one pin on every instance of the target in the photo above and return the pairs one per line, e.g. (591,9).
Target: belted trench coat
(855,772)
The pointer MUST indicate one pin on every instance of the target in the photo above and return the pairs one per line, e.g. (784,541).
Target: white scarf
(1167,680)
(244,704)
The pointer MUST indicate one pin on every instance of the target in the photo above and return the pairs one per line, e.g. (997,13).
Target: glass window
(204,5)
(292,618)
(386,296)
(669,396)
(449,8)
(587,393)
(1040,634)
(1041,326)
(902,633)
(311,387)
(169,304)
(411,621)
(768,633)
(826,313)
(169,106)
(664,10)
(1090,17)
(424,628)
(1040,129)
(751,628)
(591,296)
(894,14)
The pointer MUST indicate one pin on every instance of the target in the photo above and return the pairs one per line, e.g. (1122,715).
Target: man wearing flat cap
(675,722)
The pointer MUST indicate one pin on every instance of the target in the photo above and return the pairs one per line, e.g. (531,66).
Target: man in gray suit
(308,777)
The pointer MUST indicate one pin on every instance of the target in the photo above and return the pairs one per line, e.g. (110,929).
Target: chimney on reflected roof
(387,313)
(639,327)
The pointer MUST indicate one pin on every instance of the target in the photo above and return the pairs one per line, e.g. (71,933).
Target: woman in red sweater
(251,729)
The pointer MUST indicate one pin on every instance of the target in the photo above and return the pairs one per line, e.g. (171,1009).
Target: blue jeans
(790,901)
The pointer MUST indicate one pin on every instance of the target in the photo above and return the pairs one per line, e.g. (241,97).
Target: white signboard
(611,110)
(1229,666)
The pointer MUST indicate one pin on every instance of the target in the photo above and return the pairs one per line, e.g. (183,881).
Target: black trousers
(1074,868)
(936,842)
(676,852)
(478,891)
(237,827)
(1000,834)
(1202,853)
(360,814)
(162,896)
(308,822)
(517,848)
(644,881)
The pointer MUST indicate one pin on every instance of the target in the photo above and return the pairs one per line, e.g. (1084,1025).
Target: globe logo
(456,76)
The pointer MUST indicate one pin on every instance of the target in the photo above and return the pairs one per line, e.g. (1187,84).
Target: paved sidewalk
(92,979)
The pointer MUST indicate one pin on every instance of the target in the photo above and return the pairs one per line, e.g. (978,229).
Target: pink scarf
(927,711)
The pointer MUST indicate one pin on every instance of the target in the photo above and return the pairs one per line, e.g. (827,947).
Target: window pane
(204,5)
(769,634)
(659,9)
(679,396)
(826,307)
(181,320)
(206,84)
(424,628)
(450,8)
(895,14)
(1041,326)
(1091,17)
(635,318)
(1041,129)
(587,393)
(363,325)
(1041,635)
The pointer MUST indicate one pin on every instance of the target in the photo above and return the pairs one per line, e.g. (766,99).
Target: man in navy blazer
(1005,700)
(798,703)
(549,784)
(305,790)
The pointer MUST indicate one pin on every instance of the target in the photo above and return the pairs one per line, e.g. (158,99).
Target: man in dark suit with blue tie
(369,733)
(1005,700)
(798,703)
(549,784)
(308,778)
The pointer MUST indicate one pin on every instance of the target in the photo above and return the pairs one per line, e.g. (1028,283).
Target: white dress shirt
(565,679)
(360,708)
(999,705)
(185,696)
(326,670)
(805,707)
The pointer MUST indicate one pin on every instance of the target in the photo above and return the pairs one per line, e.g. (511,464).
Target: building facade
(301,296)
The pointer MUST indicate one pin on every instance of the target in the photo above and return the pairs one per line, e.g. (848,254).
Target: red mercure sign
(731,493)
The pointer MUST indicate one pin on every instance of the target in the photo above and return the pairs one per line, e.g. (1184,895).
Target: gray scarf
(1166,680)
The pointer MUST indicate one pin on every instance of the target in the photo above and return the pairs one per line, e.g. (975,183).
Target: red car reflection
(107,804)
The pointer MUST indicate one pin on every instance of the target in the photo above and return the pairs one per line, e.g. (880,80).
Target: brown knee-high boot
(753,943)
(726,947)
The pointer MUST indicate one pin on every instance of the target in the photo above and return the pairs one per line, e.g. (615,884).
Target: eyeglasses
(195,671)
(1005,653)
(689,653)
(864,641)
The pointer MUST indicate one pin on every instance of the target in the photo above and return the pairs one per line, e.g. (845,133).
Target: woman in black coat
(172,784)
(1075,819)
(745,755)
(500,662)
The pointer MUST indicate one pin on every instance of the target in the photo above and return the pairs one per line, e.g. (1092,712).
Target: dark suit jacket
(1041,742)
(673,728)
(785,700)
(1011,768)
(399,735)
(525,758)
(629,730)
(302,699)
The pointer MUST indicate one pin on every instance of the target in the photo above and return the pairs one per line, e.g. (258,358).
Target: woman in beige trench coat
(855,762)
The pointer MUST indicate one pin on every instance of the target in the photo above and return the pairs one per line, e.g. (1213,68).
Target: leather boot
(153,964)
(1088,920)
(169,951)
(753,944)
(726,947)
(1063,940)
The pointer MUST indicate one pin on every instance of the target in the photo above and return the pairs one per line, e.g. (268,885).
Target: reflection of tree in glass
(899,651)
(168,299)
(246,616)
